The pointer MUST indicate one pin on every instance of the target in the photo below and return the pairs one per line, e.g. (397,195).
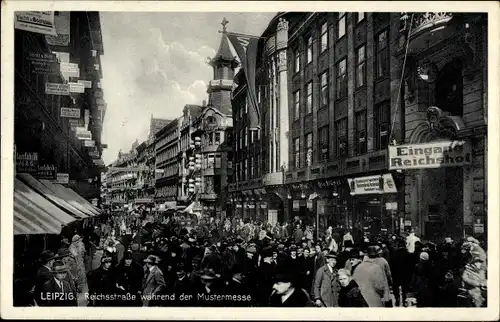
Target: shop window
(360,66)
(324,36)
(296,152)
(341,127)
(309,149)
(382,125)
(341,25)
(361,132)
(324,143)
(309,49)
(296,105)
(341,79)
(382,54)
(309,98)
(324,89)
(449,89)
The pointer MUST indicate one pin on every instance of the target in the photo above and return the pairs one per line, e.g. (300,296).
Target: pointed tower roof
(224,52)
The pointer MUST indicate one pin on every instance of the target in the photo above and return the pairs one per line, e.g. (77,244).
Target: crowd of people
(246,264)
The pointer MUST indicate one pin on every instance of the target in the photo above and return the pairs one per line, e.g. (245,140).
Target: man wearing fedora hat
(57,291)
(286,293)
(326,283)
(102,282)
(43,274)
(153,282)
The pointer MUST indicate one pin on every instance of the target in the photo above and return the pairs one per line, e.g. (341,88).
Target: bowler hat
(372,251)
(331,254)
(46,256)
(284,277)
(59,267)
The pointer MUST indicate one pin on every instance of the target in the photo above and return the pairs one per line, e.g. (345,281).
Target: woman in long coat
(77,249)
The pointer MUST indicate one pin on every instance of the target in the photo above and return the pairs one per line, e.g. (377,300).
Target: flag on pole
(246,48)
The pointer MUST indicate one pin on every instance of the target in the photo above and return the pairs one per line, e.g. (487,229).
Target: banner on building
(41,22)
(246,48)
(47,171)
(86,83)
(372,184)
(43,63)
(76,88)
(70,112)
(89,143)
(62,178)
(430,155)
(56,89)
(27,162)
(62,23)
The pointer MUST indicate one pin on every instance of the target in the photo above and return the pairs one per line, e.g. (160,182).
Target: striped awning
(85,203)
(46,189)
(34,214)
(69,198)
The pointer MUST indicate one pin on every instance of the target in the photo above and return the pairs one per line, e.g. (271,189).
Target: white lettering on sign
(430,155)
(70,112)
(371,184)
(56,89)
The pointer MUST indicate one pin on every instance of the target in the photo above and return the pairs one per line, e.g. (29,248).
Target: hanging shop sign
(76,88)
(43,63)
(430,155)
(372,184)
(70,112)
(84,135)
(27,162)
(62,57)
(47,171)
(62,23)
(86,83)
(94,154)
(299,187)
(329,183)
(56,89)
(62,178)
(89,143)
(41,22)
(69,70)
(76,123)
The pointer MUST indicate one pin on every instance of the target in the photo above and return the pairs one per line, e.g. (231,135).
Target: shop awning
(46,189)
(85,203)
(59,189)
(34,214)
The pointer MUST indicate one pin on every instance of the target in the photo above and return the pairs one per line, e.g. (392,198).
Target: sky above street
(155,63)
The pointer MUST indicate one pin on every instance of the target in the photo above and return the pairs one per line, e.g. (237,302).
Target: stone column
(283,130)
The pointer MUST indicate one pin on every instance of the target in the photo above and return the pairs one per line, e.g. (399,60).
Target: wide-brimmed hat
(152,259)
(372,251)
(208,274)
(285,277)
(63,252)
(59,267)
(46,256)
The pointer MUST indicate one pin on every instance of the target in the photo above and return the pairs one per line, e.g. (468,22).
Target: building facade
(59,105)
(166,159)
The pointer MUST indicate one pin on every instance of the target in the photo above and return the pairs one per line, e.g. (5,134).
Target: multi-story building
(166,164)
(212,136)
(57,91)
(186,144)
(122,176)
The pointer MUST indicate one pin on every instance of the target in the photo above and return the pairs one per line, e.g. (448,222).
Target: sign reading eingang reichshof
(430,155)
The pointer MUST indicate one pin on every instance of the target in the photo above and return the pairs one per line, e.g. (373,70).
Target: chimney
(204,103)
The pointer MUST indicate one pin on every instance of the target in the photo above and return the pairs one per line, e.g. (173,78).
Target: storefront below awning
(49,191)
(34,214)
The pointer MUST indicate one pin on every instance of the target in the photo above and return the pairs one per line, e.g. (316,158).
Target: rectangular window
(382,125)
(246,170)
(309,49)
(296,61)
(251,134)
(341,129)
(241,139)
(382,54)
(324,89)
(258,98)
(324,37)
(309,99)
(360,16)
(251,168)
(296,153)
(296,105)
(341,79)
(211,161)
(210,139)
(360,66)
(217,138)
(218,161)
(324,143)
(361,132)
(341,25)
(309,149)
(246,106)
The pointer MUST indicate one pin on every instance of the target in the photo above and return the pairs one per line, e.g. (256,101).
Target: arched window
(449,88)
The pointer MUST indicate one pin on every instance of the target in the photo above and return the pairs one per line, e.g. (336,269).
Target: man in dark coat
(57,291)
(265,277)
(286,294)
(349,295)
(212,260)
(181,288)
(102,283)
(237,288)
(43,274)
(129,275)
